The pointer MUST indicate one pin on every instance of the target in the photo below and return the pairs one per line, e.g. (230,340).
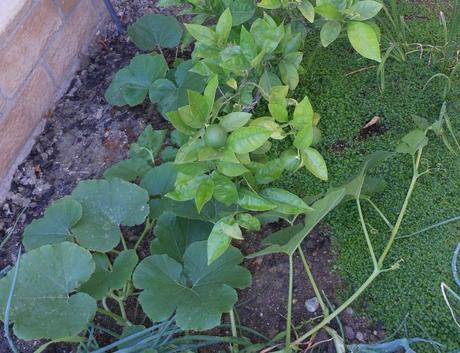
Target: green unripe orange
(290,160)
(215,136)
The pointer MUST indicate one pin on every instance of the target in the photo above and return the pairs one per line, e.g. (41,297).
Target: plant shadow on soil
(84,136)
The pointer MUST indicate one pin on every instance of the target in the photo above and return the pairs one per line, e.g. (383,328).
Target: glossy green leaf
(269,124)
(267,34)
(218,242)
(204,193)
(224,26)
(248,221)
(278,111)
(307,10)
(188,152)
(287,202)
(289,74)
(202,34)
(366,9)
(242,10)
(303,114)
(44,303)
(173,235)
(253,202)
(269,172)
(103,279)
(315,163)
(198,107)
(329,12)
(248,44)
(330,32)
(268,80)
(54,227)
(199,293)
(210,92)
(292,44)
(192,169)
(248,139)
(160,180)
(278,94)
(231,169)
(270,4)
(304,138)
(364,39)
(177,121)
(233,121)
(294,58)
(224,189)
(154,31)
(106,206)
(232,230)
(186,189)
(289,239)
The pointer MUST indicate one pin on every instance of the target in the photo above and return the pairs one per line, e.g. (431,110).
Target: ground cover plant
(225,172)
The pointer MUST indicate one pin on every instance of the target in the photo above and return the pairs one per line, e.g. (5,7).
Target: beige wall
(41,45)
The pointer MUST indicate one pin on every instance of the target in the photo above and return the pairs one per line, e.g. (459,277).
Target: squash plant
(78,260)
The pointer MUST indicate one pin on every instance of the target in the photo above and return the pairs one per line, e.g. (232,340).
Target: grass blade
(6,327)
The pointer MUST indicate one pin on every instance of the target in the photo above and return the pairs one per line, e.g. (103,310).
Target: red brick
(11,13)
(17,125)
(22,52)
(67,44)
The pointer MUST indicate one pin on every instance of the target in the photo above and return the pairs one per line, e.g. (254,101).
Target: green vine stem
(378,265)
(148,227)
(366,234)
(398,223)
(380,213)
(122,308)
(234,348)
(289,306)
(114,316)
(311,278)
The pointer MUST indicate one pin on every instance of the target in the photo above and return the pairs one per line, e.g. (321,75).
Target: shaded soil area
(262,307)
(84,135)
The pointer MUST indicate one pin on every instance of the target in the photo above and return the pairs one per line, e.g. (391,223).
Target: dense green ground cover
(346,103)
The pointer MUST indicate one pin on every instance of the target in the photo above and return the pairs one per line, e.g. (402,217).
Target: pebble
(360,336)
(312,304)
(349,333)
(349,311)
